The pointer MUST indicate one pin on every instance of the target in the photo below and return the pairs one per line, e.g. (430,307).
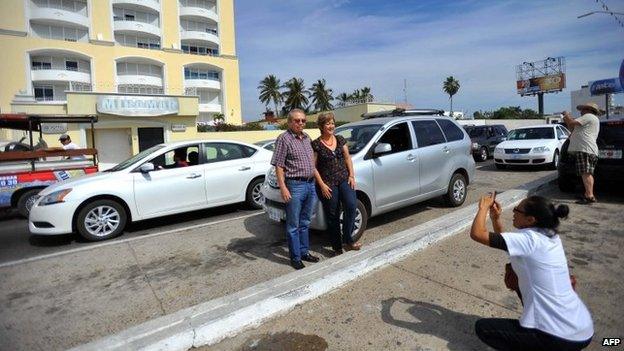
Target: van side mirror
(146,167)
(382,148)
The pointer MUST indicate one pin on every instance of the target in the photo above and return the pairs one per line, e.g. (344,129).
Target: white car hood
(525,144)
(74,182)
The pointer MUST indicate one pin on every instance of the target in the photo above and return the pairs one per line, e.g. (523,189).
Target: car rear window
(451,131)
(611,133)
(428,133)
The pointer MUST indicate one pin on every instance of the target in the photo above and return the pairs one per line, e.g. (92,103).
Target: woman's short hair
(323,118)
(545,213)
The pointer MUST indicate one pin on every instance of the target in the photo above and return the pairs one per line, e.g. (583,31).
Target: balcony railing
(60,68)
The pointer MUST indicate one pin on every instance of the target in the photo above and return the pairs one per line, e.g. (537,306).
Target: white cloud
(478,44)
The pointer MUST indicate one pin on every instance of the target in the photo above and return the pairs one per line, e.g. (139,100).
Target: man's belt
(301,179)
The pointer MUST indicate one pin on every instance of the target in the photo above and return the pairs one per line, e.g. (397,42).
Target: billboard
(605,86)
(544,84)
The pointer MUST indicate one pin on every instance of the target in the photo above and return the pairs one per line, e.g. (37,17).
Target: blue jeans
(343,197)
(298,215)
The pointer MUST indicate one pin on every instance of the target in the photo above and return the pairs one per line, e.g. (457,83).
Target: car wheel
(26,202)
(101,220)
(361,220)
(555,161)
(457,190)
(483,154)
(500,166)
(566,185)
(254,196)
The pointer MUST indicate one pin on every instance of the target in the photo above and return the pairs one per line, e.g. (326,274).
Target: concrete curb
(212,321)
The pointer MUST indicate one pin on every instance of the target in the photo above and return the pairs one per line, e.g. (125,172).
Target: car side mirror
(146,167)
(382,148)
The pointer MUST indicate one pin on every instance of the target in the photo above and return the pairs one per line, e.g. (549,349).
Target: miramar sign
(137,105)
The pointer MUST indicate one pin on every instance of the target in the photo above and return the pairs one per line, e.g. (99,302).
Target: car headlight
(540,149)
(475,146)
(272,178)
(498,149)
(55,197)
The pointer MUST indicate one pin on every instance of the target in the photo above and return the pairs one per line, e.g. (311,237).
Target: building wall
(16,43)
(583,96)
(354,113)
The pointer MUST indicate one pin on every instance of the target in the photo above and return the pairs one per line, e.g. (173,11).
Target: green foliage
(296,95)
(270,92)
(451,87)
(509,112)
(227,127)
(321,96)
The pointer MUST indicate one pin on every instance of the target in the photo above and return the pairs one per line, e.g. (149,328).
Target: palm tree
(366,94)
(355,96)
(296,95)
(270,91)
(343,98)
(321,96)
(451,87)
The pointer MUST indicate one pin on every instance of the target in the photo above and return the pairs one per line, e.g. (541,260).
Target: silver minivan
(398,161)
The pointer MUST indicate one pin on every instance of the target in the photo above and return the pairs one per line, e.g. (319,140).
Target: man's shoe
(310,258)
(297,264)
(338,252)
(586,200)
(353,246)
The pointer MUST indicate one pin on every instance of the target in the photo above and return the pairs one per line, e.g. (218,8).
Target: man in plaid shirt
(293,159)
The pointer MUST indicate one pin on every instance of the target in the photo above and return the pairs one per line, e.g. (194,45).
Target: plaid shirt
(294,154)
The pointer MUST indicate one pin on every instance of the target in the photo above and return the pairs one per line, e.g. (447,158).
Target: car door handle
(411,157)
(193,176)
(244,168)
(446,149)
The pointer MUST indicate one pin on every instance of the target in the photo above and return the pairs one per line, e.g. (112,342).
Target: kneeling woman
(553,316)
(336,183)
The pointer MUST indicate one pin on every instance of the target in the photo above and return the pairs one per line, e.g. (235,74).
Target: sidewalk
(431,300)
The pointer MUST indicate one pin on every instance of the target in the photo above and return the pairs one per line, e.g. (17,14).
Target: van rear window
(611,133)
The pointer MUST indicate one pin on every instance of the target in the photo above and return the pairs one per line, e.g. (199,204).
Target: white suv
(398,161)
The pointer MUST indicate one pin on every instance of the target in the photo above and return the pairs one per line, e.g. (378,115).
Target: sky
(383,44)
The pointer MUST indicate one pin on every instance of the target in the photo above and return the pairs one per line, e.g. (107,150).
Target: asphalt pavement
(59,296)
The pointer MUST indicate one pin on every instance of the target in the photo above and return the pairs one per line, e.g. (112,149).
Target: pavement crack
(147,280)
(454,288)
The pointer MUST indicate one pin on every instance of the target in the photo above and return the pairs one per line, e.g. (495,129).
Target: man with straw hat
(583,146)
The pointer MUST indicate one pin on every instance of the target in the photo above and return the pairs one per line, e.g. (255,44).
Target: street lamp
(607,12)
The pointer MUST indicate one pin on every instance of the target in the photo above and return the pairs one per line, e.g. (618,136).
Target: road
(68,292)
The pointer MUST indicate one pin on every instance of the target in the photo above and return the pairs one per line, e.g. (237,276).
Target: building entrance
(114,145)
(149,137)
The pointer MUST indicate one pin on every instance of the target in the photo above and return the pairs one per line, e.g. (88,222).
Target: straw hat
(589,106)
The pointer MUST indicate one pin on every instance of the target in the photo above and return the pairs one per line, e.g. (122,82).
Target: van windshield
(357,136)
(531,134)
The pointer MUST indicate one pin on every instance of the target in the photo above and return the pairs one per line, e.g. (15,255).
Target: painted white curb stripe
(212,321)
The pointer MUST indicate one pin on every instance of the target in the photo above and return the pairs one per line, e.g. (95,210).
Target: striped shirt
(294,154)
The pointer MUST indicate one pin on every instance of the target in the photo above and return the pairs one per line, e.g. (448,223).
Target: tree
(343,98)
(321,96)
(270,91)
(218,118)
(366,94)
(451,87)
(355,96)
(296,95)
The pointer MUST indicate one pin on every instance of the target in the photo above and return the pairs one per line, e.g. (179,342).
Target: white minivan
(398,161)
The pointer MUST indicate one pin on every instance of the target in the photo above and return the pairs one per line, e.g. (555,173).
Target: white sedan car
(531,146)
(162,180)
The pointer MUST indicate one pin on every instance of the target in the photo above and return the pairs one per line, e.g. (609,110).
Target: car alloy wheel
(483,155)
(459,190)
(361,219)
(256,194)
(254,197)
(102,221)
(456,193)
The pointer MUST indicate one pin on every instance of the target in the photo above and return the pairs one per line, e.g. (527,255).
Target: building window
(199,50)
(39,64)
(137,42)
(196,73)
(71,65)
(59,33)
(44,93)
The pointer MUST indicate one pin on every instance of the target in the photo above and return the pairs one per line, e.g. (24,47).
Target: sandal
(354,246)
(586,200)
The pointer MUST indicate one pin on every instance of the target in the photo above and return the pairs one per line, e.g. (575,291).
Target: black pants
(508,334)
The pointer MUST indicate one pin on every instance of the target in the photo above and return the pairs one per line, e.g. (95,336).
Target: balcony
(49,15)
(60,74)
(140,5)
(133,27)
(140,79)
(199,12)
(197,36)
(203,83)
(209,108)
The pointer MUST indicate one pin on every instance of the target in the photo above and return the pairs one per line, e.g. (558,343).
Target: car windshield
(531,134)
(127,163)
(357,136)
(611,133)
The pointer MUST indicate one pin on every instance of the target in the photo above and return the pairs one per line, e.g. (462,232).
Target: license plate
(516,157)
(274,214)
(610,154)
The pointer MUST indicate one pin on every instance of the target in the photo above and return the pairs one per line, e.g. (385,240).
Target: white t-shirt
(583,137)
(550,303)
(73,146)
